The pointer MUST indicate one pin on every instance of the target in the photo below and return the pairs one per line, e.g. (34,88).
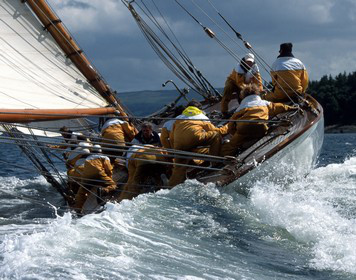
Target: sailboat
(48,82)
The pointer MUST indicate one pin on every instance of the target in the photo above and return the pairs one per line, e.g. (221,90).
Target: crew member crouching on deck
(116,132)
(190,130)
(167,128)
(75,167)
(252,108)
(96,177)
(142,167)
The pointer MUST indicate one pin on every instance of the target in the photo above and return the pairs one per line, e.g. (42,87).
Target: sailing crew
(116,132)
(71,140)
(247,73)
(167,128)
(193,129)
(289,76)
(96,177)
(252,108)
(147,136)
(141,167)
(75,167)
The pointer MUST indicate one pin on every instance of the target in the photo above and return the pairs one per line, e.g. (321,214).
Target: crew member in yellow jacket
(75,167)
(190,130)
(247,73)
(289,76)
(252,108)
(96,177)
(116,132)
(140,169)
(167,128)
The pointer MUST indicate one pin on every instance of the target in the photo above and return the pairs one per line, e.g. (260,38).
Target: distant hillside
(142,103)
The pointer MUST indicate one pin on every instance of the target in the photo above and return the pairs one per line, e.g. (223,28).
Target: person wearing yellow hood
(96,177)
(140,169)
(116,132)
(247,73)
(252,108)
(289,76)
(190,130)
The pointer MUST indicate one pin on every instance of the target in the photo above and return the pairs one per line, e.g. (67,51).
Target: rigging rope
(259,58)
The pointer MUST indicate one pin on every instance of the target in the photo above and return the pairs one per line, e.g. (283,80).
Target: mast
(65,41)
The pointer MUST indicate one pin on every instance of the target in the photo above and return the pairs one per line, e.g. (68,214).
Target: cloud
(94,16)
(322,32)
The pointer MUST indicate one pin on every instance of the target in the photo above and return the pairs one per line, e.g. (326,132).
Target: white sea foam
(189,232)
(157,236)
(318,211)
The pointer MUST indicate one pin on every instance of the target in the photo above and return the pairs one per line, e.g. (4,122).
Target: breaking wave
(299,230)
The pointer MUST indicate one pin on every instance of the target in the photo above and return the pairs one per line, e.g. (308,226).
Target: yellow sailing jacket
(289,75)
(190,126)
(165,132)
(253,107)
(98,167)
(242,78)
(115,129)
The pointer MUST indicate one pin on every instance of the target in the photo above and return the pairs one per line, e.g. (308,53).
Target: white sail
(34,72)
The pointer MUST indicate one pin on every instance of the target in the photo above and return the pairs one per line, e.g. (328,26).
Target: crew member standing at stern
(289,76)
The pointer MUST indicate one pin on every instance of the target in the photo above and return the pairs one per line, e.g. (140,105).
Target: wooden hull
(293,162)
(287,152)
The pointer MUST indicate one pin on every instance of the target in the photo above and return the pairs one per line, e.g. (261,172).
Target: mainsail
(39,70)
(45,78)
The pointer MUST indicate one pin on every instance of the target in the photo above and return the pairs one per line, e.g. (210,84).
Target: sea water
(305,229)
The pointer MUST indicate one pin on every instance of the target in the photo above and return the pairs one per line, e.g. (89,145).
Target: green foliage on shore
(337,95)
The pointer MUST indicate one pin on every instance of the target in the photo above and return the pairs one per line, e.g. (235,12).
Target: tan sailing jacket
(253,107)
(121,131)
(165,134)
(98,167)
(242,78)
(289,75)
(190,128)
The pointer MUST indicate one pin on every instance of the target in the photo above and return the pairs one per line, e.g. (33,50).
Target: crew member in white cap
(247,73)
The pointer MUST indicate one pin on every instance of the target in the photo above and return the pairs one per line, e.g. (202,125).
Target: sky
(323,33)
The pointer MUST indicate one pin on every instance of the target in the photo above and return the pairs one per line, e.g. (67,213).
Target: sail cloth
(34,72)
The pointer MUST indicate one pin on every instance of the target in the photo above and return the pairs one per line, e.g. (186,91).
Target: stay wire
(229,50)
(259,58)
(157,43)
(185,56)
(180,53)
(177,155)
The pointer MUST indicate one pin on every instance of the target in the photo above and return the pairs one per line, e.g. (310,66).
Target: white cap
(96,149)
(249,57)
(84,144)
(85,151)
